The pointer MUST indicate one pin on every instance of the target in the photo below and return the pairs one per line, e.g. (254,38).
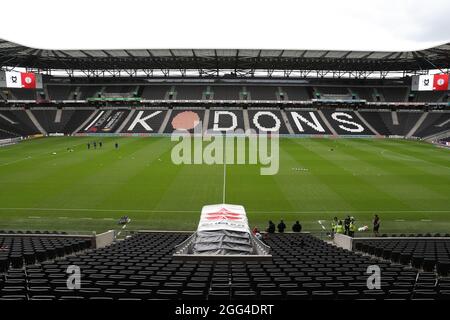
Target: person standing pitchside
(376,225)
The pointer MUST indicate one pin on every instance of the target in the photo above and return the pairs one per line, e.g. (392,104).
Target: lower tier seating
(142,267)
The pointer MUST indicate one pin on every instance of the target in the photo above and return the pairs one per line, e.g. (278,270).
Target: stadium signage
(223,217)
(20,80)
(228,121)
(434,82)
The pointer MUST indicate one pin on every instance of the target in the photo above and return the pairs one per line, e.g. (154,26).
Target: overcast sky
(252,24)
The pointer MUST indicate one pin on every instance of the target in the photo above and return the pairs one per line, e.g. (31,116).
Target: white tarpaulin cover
(223,229)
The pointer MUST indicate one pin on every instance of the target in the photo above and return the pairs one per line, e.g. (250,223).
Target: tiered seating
(60,92)
(76,119)
(22,94)
(262,92)
(297,93)
(333,90)
(363,93)
(190,92)
(428,253)
(118,91)
(16,122)
(435,122)
(429,96)
(406,120)
(377,120)
(6,135)
(226,92)
(155,92)
(88,92)
(17,250)
(21,124)
(47,119)
(393,94)
(142,267)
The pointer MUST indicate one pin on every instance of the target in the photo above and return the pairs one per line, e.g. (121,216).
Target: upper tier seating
(392,94)
(363,93)
(60,92)
(155,92)
(263,92)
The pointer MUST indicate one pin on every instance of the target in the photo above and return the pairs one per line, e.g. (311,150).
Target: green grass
(404,182)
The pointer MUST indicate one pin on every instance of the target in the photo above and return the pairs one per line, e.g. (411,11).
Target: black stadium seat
(142,268)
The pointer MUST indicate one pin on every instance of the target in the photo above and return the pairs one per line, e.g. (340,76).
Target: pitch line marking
(320,222)
(31,157)
(426,220)
(124,226)
(224,174)
(250,211)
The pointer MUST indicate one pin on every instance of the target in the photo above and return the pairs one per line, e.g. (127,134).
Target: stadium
(87,140)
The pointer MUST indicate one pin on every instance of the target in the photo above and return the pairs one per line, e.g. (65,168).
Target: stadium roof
(15,55)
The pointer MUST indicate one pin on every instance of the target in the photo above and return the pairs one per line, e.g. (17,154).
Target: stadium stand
(77,118)
(17,250)
(17,122)
(433,123)
(86,92)
(224,120)
(363,93)
(307,121)
(19,94)
(60,92)
(430,254)
(119,91)
(377,118)
(393,94)
(142,267)
(429,96)
(291,92)
(155,92)
(262,92)
(346,122)
(191,92)
(270,119)
(296,93)
(333,93)
(225,92)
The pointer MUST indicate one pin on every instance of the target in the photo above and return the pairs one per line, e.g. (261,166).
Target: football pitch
(46,186)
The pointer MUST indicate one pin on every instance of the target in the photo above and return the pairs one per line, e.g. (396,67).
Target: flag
(13,80)
(440,82)
(28,80)
(426,83)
